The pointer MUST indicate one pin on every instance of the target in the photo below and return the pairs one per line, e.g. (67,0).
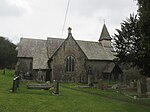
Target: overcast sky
(44,18)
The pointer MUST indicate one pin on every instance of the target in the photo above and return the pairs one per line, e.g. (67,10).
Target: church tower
(105,38)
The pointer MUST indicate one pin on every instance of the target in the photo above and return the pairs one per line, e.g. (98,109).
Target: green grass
(25,100)
(110,93)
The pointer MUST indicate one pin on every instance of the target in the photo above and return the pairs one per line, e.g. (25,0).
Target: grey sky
(44,18)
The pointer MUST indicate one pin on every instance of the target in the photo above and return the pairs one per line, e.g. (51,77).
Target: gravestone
(14,88)
(15,84)
(139,90)
(141,86)
(45,86)
(100,84)
(131,85)
(148,87)
(56,87)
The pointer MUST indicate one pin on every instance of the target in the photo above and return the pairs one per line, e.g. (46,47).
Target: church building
(67,59)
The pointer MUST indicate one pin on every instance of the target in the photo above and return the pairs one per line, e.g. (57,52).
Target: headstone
(141,86)
(15,84)
(148,87)
(131,85)
(100,84)
(39,86)
(139,90)
(56,87)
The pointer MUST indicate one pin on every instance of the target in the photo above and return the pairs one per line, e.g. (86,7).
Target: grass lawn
(110,93)
(25,100)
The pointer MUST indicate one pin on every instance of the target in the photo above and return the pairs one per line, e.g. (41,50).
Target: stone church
(67,59)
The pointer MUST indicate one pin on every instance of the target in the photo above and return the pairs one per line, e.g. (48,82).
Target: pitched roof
(42,50)
(36,49)
(109,68)
(95,50)
(112,67)
(104,34)
(53,44)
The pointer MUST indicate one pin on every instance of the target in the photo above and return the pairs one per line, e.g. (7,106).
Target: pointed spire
(104,34)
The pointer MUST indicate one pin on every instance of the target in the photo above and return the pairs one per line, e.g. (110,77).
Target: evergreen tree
(144,23)
(127,41)
(7,53)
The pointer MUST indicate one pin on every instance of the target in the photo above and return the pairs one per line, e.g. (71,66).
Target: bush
(132,73)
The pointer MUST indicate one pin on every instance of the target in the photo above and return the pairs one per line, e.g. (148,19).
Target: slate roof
(95,50)
(42,50)
(112,67)
(104,34)
(36,49)
(109,68)
(53,44)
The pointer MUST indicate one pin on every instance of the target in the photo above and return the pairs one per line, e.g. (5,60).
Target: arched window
(70,64)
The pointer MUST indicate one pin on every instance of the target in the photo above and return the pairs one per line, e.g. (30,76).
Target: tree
(127,41)
(8,54)
(144,23)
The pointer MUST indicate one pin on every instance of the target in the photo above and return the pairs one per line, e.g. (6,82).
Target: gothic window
(70,64)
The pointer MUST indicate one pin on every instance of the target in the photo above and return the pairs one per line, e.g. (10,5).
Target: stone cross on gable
(69,31)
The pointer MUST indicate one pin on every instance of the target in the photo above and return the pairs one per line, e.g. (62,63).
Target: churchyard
(72,97)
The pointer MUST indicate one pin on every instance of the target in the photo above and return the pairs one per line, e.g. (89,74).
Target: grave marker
(15,84)
(131,84)
(139,91)
(141,86)
(148,87)
(56,87)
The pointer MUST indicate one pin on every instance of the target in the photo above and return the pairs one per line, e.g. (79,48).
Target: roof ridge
(55,38)
(31,38)
(75,39)
(87,41)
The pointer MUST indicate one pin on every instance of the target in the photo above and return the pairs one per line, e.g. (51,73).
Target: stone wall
(25,65)
(69,48)
(24,68)
(106,43)
(97,68)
